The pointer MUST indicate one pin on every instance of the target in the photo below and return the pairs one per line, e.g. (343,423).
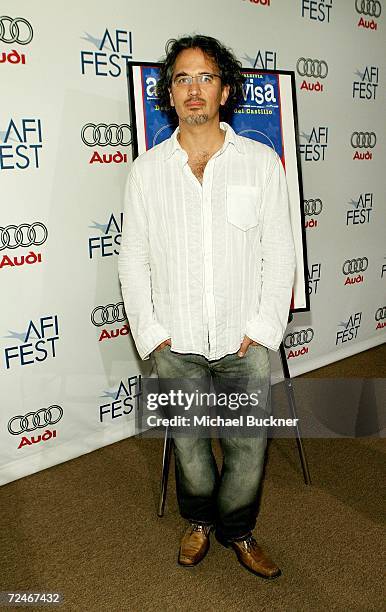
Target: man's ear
(224,94)
(171,98)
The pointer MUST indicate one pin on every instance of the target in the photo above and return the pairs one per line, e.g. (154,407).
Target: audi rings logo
(372,8)
(380,314)
(15,30)
(351,266)
(363,140)
(298,338)
(103,134)
(35,420)
(112,313)
(24,235)
(312,68)
(313,207)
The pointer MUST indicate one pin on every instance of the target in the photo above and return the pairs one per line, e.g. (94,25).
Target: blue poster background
(158,125)
(258,116)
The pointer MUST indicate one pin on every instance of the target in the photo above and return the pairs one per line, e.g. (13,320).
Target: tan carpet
(88,528)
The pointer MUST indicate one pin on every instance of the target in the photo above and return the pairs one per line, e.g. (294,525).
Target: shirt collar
(172,144)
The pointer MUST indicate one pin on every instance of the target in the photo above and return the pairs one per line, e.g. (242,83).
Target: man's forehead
(194,58)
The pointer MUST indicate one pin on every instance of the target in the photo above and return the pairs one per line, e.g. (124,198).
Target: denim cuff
(206,523)
(233,539)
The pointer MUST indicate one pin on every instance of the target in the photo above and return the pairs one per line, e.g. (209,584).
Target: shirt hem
(202,354)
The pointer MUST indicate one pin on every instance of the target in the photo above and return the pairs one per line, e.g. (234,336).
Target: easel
(292,409)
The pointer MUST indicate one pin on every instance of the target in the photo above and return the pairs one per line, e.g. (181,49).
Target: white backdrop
(69,370)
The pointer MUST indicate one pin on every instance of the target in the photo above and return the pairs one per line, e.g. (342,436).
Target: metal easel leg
(292,409)
(165,471)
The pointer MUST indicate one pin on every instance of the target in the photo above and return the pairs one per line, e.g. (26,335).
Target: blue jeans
(228,499)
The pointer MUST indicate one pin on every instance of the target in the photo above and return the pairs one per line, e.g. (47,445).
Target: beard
(196,119)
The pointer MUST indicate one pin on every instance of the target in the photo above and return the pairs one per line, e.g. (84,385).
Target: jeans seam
(239,538)
(206,523)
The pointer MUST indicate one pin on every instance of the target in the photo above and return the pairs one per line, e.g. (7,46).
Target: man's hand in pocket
(245,344)
(163,344)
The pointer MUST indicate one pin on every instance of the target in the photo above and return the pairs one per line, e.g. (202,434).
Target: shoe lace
(250,543)
(198,527)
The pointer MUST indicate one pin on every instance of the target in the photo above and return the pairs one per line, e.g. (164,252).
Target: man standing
(206,267)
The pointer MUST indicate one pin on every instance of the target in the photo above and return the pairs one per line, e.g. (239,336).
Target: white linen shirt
(205,264)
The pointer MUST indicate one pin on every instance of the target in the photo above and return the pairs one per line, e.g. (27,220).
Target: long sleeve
(278,264)
(135,272)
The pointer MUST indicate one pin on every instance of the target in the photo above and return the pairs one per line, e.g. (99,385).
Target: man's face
(197,104)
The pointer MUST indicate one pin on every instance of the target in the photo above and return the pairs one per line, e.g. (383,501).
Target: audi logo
(372,8)
(312,68)
(351,266)
(35,420)
(24,235)
(381,313)
(312,207)
(112,313)
(363,140)
(304,336)
(16,34)
(103,134)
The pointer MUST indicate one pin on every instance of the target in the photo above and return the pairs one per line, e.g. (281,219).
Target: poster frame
(136,98)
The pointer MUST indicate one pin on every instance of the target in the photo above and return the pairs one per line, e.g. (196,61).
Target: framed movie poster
(267,113)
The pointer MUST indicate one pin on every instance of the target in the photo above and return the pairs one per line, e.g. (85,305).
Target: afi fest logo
(24,236)
(380,317)
(363,140)
(106,135)
(20,144)
(298,342)
(348,331)
(314,70)
(115,50)
(35,422)
(123,401)
(366,87)
(37,343)
(265,60)
(317,10)
(14,31)
(314,278)
(312,208)
(106,244)
(110,314)
(360,209)
(369,10)
(314,149)
(353,270)
(383,269)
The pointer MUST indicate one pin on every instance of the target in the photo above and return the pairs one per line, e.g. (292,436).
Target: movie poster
(267,113)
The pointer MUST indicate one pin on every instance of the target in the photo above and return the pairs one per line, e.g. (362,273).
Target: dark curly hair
(229,68)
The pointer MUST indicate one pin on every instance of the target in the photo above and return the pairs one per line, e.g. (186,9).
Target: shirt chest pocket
(243,204)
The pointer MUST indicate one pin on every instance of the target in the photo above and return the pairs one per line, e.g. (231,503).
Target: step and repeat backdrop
(70,375)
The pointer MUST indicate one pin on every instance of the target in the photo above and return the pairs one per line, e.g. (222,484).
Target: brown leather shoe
(254,559)
(194,544)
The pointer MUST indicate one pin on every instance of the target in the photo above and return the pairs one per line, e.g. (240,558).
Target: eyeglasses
(202,79)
